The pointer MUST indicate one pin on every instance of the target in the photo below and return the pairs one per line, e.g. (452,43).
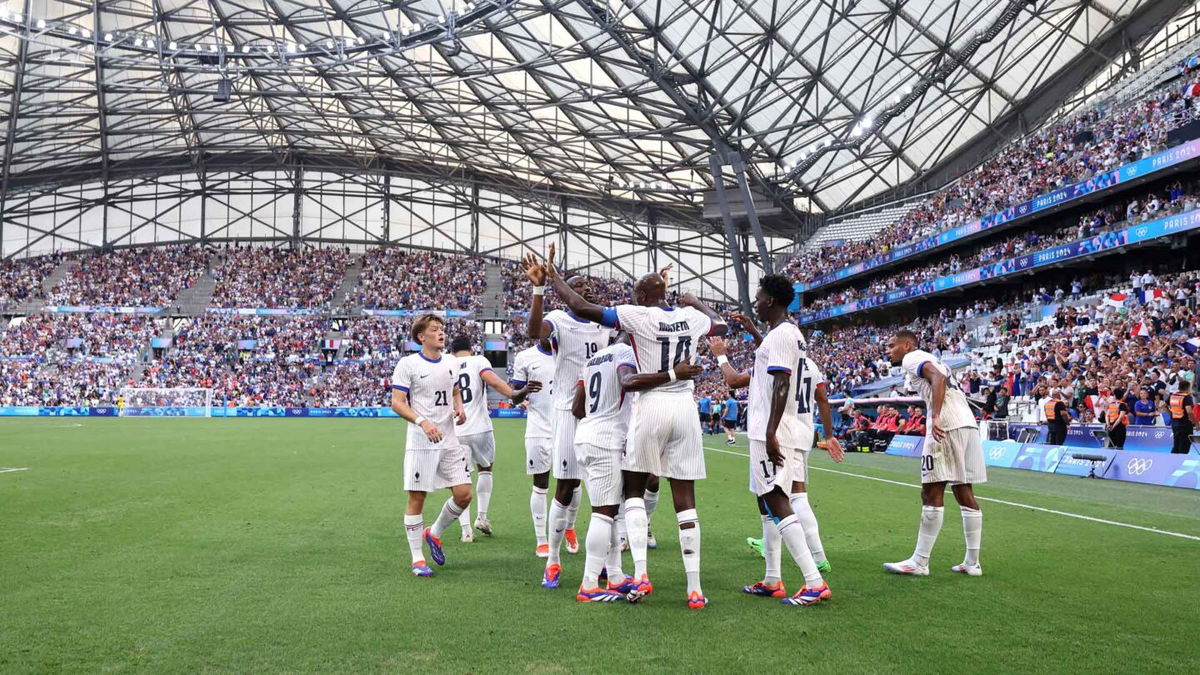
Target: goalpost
(165,402)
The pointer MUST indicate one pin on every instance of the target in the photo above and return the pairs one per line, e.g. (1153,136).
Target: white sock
(557,526)
(537,506)
(931,524)
(483,492)
(651,499)
(414,528)
(573,507)
(792,533)
(812,533)
(689,545)
(635,521)
(464,519)
(599,539)
(771,546)
(973,533)
(450,513)
(613,564)
(622,533)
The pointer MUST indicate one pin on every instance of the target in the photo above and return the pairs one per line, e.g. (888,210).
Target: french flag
(1191,346)
(1151,294)
(1191,90)
(1115,300)
(1140,330)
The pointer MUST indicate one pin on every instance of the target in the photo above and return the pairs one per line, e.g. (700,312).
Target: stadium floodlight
(173,46)
(328,45)
(108,37)
(85,33)
(41,24)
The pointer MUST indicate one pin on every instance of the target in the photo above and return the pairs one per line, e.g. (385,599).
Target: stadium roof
(829,101)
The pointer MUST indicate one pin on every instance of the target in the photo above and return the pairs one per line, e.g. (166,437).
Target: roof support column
(731,239)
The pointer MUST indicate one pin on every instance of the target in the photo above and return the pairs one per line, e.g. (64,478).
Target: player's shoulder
(556,315)
(620,351)
(915,358)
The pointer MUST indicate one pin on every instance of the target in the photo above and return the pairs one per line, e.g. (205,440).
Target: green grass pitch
(277,545)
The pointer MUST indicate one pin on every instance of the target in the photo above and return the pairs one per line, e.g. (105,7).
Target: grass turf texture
(278,545)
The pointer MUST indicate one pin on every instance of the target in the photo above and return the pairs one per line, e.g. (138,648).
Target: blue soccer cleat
(420,569)
(435,548)
(598,595)
(550,578)
(761,589)
(624,585)
(809,596)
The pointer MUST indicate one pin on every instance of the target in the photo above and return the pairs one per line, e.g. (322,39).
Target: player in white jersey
(776,434)
(952,454)
(665,428)
(536,364)
(574,340)
(424,393)
(474,376)
(603,404)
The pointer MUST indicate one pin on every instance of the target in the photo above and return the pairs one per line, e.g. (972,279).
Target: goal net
(165,402)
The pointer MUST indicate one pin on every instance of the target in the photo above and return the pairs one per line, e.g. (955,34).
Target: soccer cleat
(757,545)
(483,525)
(467,537)
(909,567)
(598,595)
(435,548)
(624,586)
(730,441)
(550,577)
(696,600)
(651,542)
(824,567)
(969,570)
(572,542)
(420,569)
(809,596)
(762,589)
(641,588)
(542,550)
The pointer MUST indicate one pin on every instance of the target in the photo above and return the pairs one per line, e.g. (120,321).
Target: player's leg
(683,495)
(791,533)
(932,508)
(564,493)
(635,526)
(420,476)
(803,510)
(453,472)
(602,477)
(771,585)
(566,470)
(573,513)
(683,464)
(467,535)
(651,499)
(730,437)
(537,465)
(967,446)
(649,430)
(485,457)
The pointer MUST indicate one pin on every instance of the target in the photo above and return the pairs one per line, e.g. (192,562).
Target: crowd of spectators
(21,280)
(256,276)
(396,278)
(1060,154)
(137,277)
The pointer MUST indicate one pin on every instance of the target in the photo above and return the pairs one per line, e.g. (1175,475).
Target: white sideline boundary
(1056,512)
(23,468)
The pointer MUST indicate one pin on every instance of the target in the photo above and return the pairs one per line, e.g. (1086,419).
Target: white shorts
(566,464)
(765,476)
(429,470)
(956,460)
(668,440)
(601,474)
(481,447)
(537,455)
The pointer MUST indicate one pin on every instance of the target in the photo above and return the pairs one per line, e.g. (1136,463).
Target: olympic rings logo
(1138,466)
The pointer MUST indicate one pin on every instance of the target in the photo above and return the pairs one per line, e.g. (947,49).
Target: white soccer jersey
(474,394)
(956,413)
(607,408)
(574,341)
(781,351)
(663,337)
(430,388)
(808,380)
(533,364)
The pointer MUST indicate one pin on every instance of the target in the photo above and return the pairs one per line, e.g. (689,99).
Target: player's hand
(747,322)
(550,270)
(687,371)
(689,299)
(433,433)
(534,270)
(460,416)
(939,434)
(533,387)
(665,273)
(773,452)
(834,447)
(717,346)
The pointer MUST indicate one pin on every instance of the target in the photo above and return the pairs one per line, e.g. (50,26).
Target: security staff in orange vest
(1057,418)
(1116,419)
(1182,410)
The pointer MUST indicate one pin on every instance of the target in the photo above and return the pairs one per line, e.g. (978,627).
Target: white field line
(23,468)
(1068,514)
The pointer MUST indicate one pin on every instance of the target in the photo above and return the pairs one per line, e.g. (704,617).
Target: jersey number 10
(683,352)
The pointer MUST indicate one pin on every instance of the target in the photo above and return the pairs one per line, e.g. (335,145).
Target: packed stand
(21,280)
(138,277)
(396,278)
(259,277)
(1061,154)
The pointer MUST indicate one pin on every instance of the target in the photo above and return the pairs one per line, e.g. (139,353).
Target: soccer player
(536,364)
(952,454)
(704,405)
(603,408)
(574,341)
(776,433)
(731,418)
(474,376)
(666,430)
(424,393)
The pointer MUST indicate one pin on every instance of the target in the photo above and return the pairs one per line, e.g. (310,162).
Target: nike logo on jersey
(423,376)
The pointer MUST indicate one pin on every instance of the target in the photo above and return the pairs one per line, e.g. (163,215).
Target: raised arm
(631,380)
(535,326)
(719,327)
(748,324)
(582,308)
(732,377)
(491,379)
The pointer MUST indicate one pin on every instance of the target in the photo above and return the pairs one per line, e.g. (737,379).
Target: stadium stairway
(493,304)
(35,304)
(193,300)
(353,273)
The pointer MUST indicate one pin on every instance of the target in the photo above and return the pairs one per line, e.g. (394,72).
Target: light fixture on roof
(213,48)
(41,24)
(908,90)
(73,30)
(358,41)
(329,45)
(85,33)
(291,47)
(108,37)
(173,46)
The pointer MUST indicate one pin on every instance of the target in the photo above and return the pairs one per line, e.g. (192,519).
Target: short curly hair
(778,287)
